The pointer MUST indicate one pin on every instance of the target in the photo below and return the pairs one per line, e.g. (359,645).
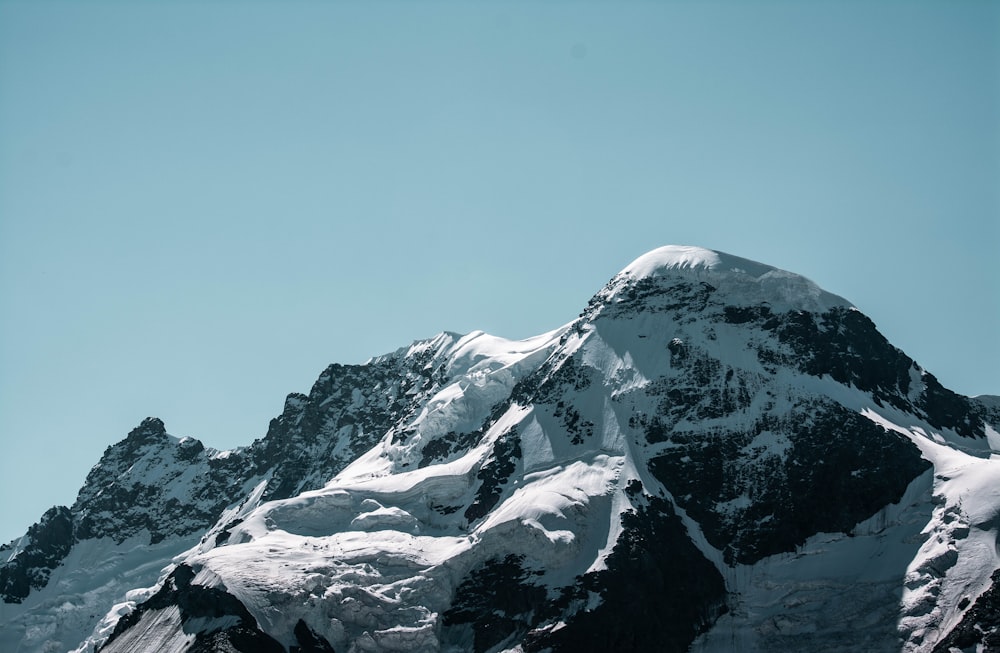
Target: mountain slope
(716,454)
(152,496)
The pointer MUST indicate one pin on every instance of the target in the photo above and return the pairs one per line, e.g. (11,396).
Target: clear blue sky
(204,204)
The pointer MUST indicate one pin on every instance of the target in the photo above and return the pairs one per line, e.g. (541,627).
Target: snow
(898,580)
(740,281)
(993,438)
(673,257)
(992,401)
(959,552)
(96,574)
(371,560)
(159,630)
(803,600)
(479,350)
(385,587)
(558,494)
(382,518)
(535,446)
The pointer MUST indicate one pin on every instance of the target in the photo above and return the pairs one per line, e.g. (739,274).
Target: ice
(740,281)
(372,559)
(158,630)
(96,574)
(804,600)
(385,519)
(673,257)
(535,445)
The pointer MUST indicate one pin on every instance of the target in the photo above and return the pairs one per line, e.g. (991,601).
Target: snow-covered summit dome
(680,257)
(739,281)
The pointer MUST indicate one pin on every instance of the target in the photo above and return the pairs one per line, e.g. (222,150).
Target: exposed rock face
(171,492)
(349,409)
(763,491)
(49,542)
(699,461)
(979,629)
(658,591)
(216,620)
(153,483)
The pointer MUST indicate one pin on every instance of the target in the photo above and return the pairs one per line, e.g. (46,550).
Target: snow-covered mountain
(715,455)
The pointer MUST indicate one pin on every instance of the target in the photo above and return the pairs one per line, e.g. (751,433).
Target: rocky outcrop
(41,550)
(153,484)
(209,616)
(979,629)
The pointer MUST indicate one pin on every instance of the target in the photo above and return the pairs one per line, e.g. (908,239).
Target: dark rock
(309,641)
(657,594)
(838,469)
(947,409)
(494,475)
(49,542)
(498,601)
(198,602)
(447,446)
(979,628)
(349,408)
(744,314)
(150,431)
(652,295)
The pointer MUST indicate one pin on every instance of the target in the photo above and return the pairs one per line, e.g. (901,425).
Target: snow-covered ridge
(740,281)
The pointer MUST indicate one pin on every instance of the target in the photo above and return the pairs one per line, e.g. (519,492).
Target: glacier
(714,455)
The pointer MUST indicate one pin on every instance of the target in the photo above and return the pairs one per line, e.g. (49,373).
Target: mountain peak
(740,281)
(151,429)
(709,434)
(674,257)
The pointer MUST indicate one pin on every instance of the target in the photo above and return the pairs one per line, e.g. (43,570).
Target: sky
(202,205)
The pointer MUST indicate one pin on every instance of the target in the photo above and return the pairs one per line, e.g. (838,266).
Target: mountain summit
(715,455)
(739,281)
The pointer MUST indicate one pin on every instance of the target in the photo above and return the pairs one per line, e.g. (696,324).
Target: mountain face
(715,455)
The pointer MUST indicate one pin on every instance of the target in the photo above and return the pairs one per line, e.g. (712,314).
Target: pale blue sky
(204,204)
